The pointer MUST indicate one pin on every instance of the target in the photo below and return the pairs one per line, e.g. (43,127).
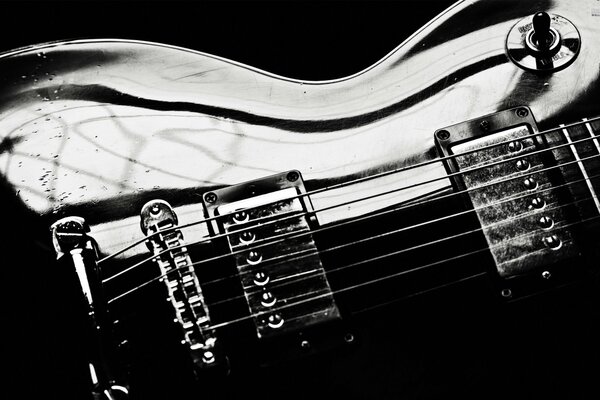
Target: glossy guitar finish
(97,128)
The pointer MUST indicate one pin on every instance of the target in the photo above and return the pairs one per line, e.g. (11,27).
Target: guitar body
(98,128)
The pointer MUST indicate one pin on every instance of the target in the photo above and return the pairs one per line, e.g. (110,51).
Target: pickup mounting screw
(210,197)
(305,344)
(293,176)
(506,293)
(443,135)
(522,112)
(349,338)
(546,275)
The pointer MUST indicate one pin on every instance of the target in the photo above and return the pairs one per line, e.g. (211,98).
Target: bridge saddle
(165,240)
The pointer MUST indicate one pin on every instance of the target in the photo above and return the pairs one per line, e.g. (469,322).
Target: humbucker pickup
(267,224)
(499,163)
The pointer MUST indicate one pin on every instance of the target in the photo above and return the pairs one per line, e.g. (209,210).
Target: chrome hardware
(159,222)
(553,242)
(523,165)
(274,210)
(538,203)
(530,183)
(261,279)
(543,42)
(70,236)
(520,238)
(275,321)
(546,222)
(515,146)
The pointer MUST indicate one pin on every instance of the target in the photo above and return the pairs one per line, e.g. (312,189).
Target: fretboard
(579,150)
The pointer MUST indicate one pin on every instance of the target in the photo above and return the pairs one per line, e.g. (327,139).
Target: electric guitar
(185,226)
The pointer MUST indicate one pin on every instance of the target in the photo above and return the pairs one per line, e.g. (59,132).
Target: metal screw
(522,112)
(530,183)
(523,165)
(210,197)
(484,126)
(506,293)
(515,146)
(546,222)
(305,344)
(208,357)
(553,242)
(293,176)
(546,275)
(349,338)
(443,135)
(538,203)
(155,210)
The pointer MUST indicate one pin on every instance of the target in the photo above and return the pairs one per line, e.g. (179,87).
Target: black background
(303,40)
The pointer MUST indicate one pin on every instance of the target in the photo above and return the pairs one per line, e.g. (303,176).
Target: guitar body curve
(97,128)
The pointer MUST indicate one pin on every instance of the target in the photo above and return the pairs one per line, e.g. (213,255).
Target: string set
(380,175)
(412,204)
(269,241)
(290,256)
(395,275)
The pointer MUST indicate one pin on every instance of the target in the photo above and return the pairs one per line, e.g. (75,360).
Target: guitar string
(386,277)
(414,204)
(461,280)
(421,292)
(329,272)
(207,239)
(379,175)
(422,224)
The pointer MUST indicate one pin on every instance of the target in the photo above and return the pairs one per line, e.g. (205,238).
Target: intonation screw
(443,135)
(210,197)
(522,112)
(293,176)
(484,125)
(155,210)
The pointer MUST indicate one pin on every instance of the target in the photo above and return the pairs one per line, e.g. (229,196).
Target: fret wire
(591,131)
(582,167)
